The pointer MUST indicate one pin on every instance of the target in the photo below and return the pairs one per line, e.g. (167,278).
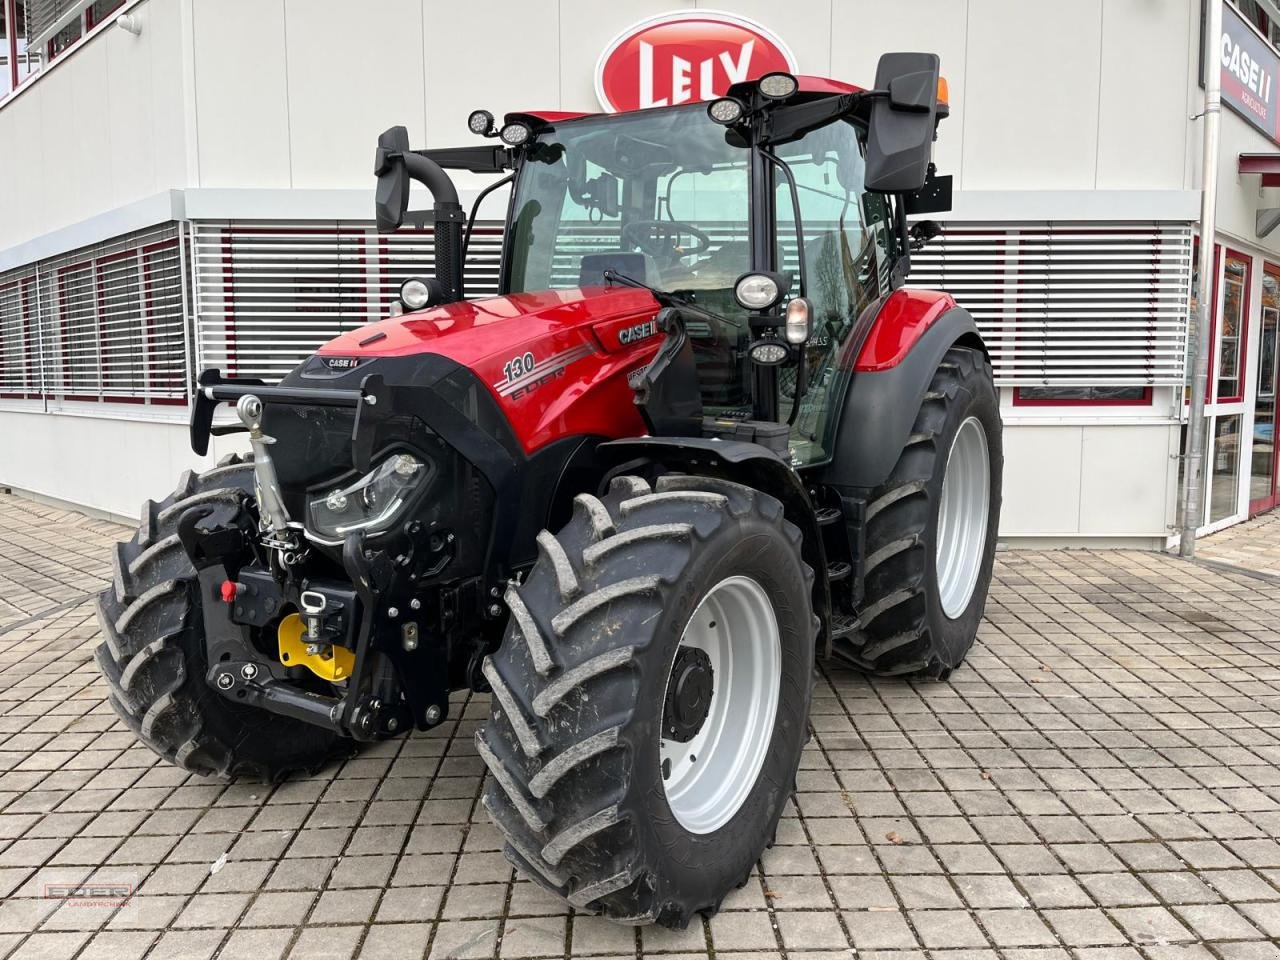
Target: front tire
(154,658)
(931,530)
(606,697)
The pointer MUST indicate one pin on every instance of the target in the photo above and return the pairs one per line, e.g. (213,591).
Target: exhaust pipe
(394,166)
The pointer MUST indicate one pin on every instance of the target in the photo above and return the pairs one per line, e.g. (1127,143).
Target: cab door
(843,246)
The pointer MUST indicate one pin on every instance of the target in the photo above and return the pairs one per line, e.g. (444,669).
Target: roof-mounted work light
(480,122)
(777,86)
(516,133)
(726,110)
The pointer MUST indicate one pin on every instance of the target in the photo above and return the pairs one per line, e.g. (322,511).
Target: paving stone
(326,943)
(879,930)
(1086,927)
(1015,928)
(739,931)
(534,937)
(811,931)
(395,941)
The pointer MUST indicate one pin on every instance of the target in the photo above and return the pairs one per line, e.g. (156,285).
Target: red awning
(1266,165)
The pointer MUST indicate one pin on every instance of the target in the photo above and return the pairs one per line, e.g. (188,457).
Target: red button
(229,590)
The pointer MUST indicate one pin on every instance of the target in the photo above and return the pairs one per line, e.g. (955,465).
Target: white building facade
(187,183)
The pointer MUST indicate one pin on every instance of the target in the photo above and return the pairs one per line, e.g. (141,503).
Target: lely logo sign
(682,57)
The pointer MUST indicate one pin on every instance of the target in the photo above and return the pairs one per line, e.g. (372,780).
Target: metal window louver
(45,18)
(101,323)
(1070,304)
(268,294)
(19,336)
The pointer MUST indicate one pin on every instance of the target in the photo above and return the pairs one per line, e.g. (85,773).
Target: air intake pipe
(394,166)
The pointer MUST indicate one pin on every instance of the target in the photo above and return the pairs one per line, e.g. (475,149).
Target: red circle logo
(682,57)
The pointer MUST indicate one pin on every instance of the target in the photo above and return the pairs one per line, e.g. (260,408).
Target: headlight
(372,502)
(759,291)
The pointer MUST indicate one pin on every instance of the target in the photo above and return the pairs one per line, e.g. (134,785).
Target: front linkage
(371,630)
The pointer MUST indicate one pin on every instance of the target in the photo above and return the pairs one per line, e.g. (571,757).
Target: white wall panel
(22,188)
(75,138)
(583,29)
(47,454)
(96,132)
(1123,480)
(807,27)
(332,91)
(1031,102)
(242,109)
(1041,481)
(167,25)
(1142,121)
(129,117)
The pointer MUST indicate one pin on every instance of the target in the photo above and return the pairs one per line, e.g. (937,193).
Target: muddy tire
(931,530)
(153,653)
(613,667)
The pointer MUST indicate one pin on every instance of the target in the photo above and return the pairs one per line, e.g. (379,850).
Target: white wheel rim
(962,517)
(712,774)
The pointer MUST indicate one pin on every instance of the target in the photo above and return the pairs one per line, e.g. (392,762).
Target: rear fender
(747,463)
(881,403)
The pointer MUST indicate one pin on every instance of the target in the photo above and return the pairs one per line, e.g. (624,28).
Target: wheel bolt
(248,671)
(225,680)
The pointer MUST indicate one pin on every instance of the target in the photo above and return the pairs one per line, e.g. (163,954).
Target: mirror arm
(475,209)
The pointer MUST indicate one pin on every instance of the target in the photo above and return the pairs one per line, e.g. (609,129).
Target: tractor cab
(737,214)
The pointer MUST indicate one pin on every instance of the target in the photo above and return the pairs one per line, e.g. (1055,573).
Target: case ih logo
(679,57)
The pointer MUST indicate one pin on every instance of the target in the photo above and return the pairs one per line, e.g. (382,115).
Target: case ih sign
(1249,68)
(691,55)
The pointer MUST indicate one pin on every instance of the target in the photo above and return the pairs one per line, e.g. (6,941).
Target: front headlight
(372,502)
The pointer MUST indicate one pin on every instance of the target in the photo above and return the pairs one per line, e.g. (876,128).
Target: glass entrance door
(1266,462)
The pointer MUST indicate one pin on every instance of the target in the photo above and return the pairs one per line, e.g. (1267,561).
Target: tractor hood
(473,331)
(557,362)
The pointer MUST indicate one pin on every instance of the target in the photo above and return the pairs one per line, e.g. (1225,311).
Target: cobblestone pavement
(1100,781)
(1254,545)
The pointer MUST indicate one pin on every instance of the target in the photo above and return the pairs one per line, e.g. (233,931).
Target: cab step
(828,515)
(838,570)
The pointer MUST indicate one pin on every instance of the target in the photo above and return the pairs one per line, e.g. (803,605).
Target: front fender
(881,403)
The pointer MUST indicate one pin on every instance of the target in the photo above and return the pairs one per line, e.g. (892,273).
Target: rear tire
(575,741)
(154,661)
(925,591)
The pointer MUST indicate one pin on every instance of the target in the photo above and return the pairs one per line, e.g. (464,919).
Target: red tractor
(703,435)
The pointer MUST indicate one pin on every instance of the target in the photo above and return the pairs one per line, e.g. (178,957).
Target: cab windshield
(657,195)
(662,196)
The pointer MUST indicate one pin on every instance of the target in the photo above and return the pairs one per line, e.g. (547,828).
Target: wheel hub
(688,695)
(720,705)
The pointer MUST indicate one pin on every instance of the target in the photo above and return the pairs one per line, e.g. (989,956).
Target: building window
(100,324)
(19,344)
(1236,272)
(1261,15)
(1082,396)
(100,10)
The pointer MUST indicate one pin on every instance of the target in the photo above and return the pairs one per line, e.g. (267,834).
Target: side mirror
(900,135)
(391,199)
